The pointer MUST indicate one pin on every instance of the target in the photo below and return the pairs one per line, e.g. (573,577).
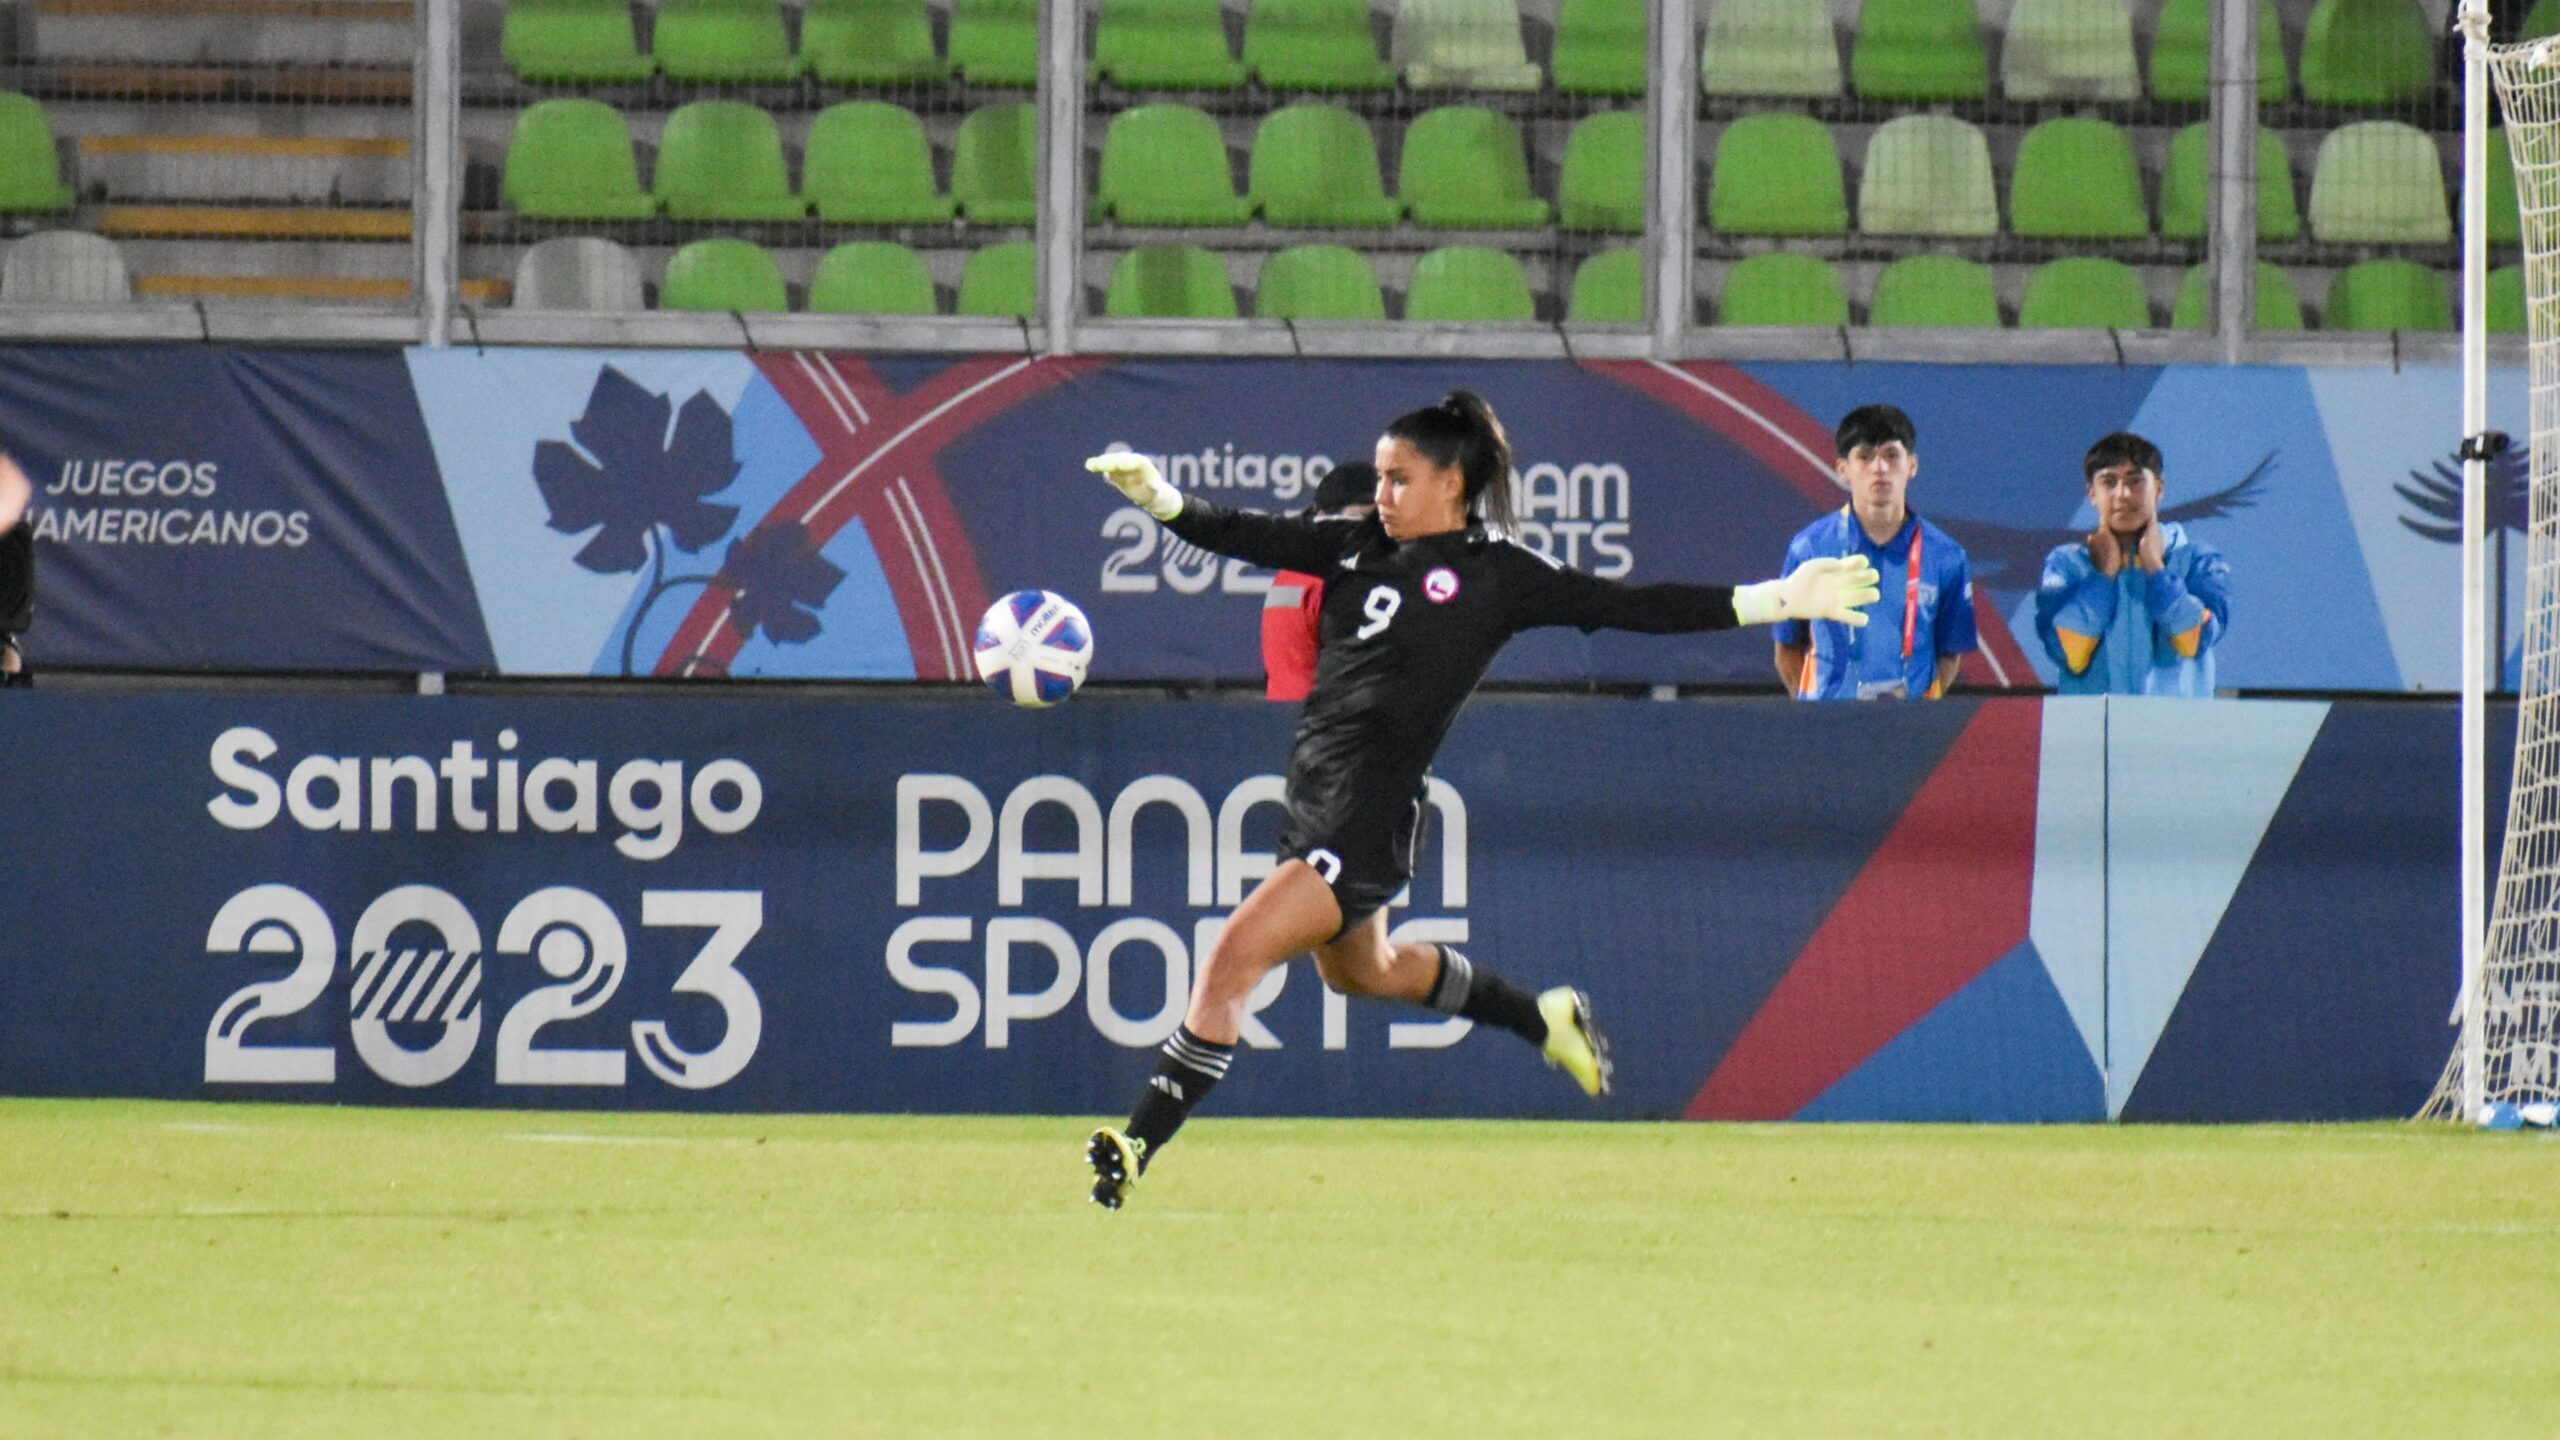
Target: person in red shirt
(1291,609)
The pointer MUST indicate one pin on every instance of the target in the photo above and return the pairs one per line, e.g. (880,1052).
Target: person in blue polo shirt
(1922,628)
(2137,606)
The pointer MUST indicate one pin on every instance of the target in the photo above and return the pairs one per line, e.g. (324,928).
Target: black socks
(1486,998)
(1185,1072)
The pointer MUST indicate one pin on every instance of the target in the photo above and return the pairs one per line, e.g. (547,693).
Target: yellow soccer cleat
(1116,1160)
(1574,1045)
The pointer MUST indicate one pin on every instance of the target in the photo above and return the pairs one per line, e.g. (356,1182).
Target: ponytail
(1463,431)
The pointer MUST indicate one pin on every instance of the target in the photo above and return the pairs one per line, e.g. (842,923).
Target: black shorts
(1364,850)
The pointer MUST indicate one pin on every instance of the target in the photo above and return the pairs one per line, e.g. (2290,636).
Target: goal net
(2505,1067)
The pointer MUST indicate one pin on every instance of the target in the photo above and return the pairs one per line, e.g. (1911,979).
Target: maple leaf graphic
(640,478)
(781,580)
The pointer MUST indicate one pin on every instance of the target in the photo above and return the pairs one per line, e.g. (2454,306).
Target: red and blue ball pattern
(1033,647)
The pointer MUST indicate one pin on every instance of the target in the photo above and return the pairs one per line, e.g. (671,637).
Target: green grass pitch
(258,1271)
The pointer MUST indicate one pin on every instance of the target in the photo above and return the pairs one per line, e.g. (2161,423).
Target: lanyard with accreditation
(1910,587)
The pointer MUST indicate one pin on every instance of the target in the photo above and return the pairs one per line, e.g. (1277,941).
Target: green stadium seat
(1001,281)
(2076,179)
(995,164)
(1777,173)
(1927,175)
(567,160)
(2186,193)
(577,272)
(2367,52)
(1772,48)
(867,164)
(1319,282)
(30,169)
(2278,307)
(2069,50)
(722,160)
(1462,45)
(870,42)
(573,42)
(996,42)
(1608,289)
(2388,295)
(872,277)
(1164,45)
(724,42)
(2506,217)
(2084,292)
(1464,169)
(723,274)
(1600,47)
(2181,69)
(1317,164)
(1170,282)
(1314,45)
(1920,50)
(2508,311)
(2379,182)
(1934,290)
(1167,165)
(73,267)
(1469,283)
(1783,289)
(1602,187)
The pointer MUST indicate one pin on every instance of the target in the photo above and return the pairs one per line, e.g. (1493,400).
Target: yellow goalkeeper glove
(1829,587)
(1136,476)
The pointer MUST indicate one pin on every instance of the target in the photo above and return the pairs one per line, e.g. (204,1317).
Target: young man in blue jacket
(2137,606)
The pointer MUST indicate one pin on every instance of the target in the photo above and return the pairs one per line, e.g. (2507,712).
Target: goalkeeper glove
(1136,476)
(1829,587)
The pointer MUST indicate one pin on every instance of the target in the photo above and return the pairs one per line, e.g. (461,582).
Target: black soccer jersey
(1406,632)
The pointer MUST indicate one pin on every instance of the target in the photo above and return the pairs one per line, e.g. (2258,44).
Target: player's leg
(1362,961)
(1291,911)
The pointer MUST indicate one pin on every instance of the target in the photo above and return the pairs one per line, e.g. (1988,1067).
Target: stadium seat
(867,163)
(2186,194)
(1920,50)
(1770,47)
(567,160)
(2507,309)
(872,277)
(578,272)
(1167,165)
(1783,288)
(1602,187)
(2084,292)
(2388,295)
(1600,47)
(2367,52)
(1317,164)
(1608,289)
(2506,216)
(870,42)
(1319,282)
(1464,169)
(722,160)
(1927,175)
(2379,182)
(2181,67)
(72,267)
(2076,179)
(1468,283)
(722,274)
(1170,282)
(2069,50)
(996,42)
(2278,307)
(1314,45)
(995,163)
(1461,45)
(30,171)
(1777,173)
(1164,45)
(724,42)
(1000,281)
(1934,290)
(573,42)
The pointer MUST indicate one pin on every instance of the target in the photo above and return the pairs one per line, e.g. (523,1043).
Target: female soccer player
(1420,595)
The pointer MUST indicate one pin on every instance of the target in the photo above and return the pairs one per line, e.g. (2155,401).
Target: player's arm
(1792,640)
(1544,593)
(1281,542)
(2189,615)
(1955,634)
(16,493)
(1791,662)
(2074,606)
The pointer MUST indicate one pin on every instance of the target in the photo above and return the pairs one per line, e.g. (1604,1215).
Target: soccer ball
(1033,647)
